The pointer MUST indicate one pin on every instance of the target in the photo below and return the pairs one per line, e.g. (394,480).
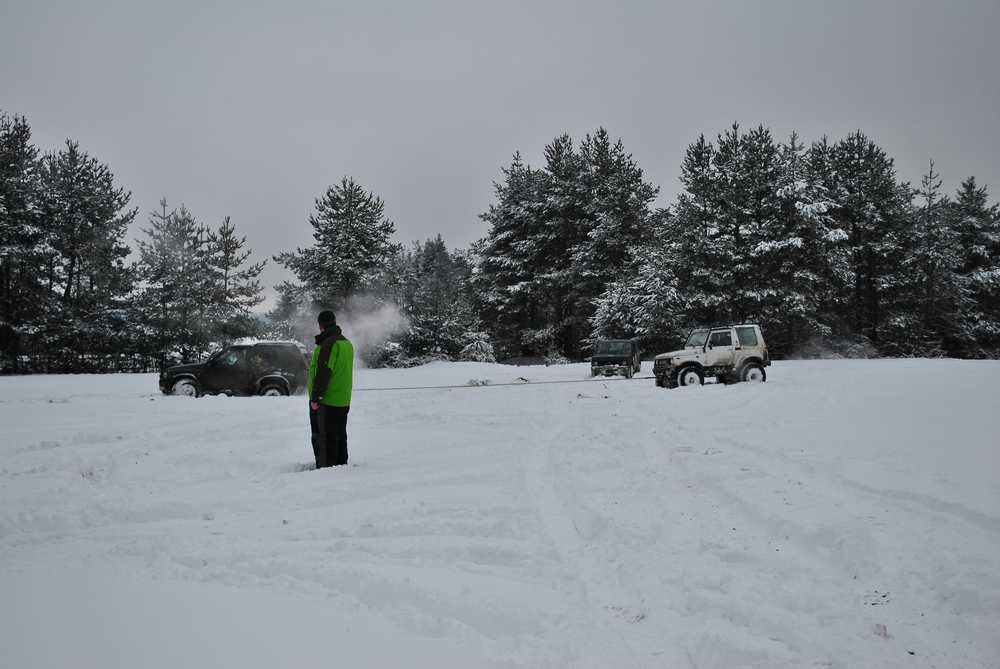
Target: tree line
(821,244)
(70,301)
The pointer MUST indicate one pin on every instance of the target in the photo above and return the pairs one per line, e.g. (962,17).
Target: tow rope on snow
(475,383)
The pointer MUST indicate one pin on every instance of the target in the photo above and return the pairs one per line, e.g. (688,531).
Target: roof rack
(725,325)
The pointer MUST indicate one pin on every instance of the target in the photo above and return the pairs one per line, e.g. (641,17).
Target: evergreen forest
(820,243)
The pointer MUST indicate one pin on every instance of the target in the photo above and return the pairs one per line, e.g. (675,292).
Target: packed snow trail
(845,513)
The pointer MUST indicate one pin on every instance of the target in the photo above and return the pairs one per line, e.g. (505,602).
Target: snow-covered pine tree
(929,311)
(509,300)
(237,288)
(436,301)
(620,226)
(662,312)
(615,313)
(172,303)
(873,209)
(23,292)
(350,261)
(799,255)
(558,236)
(560,230)
(478,349)
(977,225)
(702,264)
(749,218)
(85,220)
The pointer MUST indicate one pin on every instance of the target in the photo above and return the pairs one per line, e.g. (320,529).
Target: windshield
(697,339)
(614,348)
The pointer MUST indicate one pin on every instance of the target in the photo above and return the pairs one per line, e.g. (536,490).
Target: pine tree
(558,236)
(237,291)
(929,313)
(22,289)
(873,211)
(195,295)
(510,301)
(618,223)
(171,307)
(436,302)
(616,314)
(478,349)
(800,255)
(977,226)
(351,261)
(685,247)
(85,220)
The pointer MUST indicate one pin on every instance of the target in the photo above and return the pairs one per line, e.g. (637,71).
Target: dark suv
(616,356)
(264,368)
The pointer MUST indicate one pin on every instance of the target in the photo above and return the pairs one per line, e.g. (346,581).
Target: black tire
(690,376)
(753,371)
(628,372)
(185,388)
(273,390)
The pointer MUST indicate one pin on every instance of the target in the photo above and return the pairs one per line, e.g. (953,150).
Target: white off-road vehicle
(730,353)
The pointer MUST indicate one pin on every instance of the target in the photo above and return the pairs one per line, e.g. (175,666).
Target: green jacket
(331,371)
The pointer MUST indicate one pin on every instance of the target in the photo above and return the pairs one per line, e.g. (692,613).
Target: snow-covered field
(845,514)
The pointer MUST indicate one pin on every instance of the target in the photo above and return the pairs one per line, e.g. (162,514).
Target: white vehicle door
(747,343)
(721,348)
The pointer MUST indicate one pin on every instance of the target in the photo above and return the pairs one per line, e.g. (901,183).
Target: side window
(281,358)
(748,337)
(722,338)
(259,359)
(231,356)
(285,357)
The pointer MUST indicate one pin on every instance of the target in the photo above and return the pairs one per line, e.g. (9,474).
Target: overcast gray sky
(252,109)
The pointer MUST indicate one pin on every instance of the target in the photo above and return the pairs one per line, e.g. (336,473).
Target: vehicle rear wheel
(753,371)
(273,390)
(691,376)
(185,388)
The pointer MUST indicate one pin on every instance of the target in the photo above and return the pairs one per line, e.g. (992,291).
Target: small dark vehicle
(264,368)
(616,356)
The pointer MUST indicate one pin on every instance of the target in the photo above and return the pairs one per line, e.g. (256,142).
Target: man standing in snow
(331,378)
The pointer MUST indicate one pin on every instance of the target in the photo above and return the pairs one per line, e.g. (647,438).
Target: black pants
(329,435)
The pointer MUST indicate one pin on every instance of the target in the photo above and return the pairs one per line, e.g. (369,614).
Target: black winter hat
(327,317)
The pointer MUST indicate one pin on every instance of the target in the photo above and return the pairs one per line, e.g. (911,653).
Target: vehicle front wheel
(628,372)
(691,376)
(273,390)
(753,371)
(185,388)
